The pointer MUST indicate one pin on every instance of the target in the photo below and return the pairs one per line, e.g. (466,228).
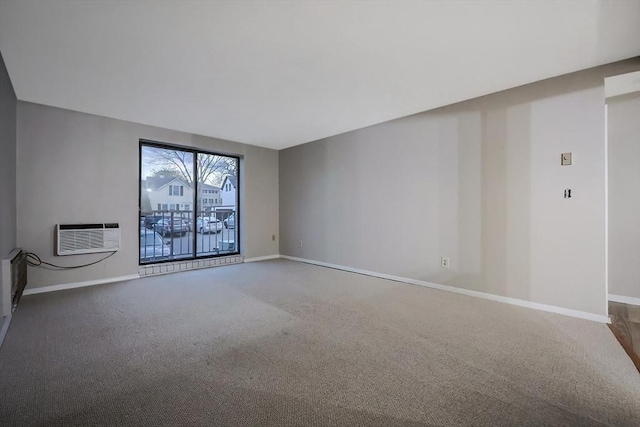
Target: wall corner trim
(4,327)
(52,288)
(498,298)
(623,299)
(262,258)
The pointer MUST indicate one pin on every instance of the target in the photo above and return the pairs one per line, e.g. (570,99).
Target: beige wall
(479,182)
(8,105)
(624,195)
(75,167)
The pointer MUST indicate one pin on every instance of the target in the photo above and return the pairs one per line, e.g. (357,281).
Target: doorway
(622,108)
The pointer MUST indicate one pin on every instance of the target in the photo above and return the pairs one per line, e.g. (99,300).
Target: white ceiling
(277,74)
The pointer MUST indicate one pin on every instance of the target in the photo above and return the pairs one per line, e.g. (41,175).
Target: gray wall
(75,167)
(7,163)
(624,195)
(479,182)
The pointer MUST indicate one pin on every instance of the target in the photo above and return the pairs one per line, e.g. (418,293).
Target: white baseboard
(33,291)
(262,258)
(624,300)
(4,327)
(477,294)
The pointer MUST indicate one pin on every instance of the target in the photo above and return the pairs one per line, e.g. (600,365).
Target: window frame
(195,151)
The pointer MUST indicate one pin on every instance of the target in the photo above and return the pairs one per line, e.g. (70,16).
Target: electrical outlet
(273,237)
(299,243)
(444,262)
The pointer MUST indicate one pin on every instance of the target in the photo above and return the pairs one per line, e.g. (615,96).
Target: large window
(177,220)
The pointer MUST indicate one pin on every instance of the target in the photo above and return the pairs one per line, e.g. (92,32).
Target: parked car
(230,221)
(208,225)
(168,227)
(150,220)
(226,245)
(152,247)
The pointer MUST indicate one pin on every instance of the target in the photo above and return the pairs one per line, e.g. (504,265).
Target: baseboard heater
(13,280)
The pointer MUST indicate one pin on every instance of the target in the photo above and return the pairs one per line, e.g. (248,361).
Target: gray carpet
(286,343)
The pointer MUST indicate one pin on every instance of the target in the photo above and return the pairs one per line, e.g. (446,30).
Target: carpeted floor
(286,343)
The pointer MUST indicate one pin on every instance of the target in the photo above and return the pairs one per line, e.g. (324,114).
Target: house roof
(157,182)
(208,187)
(232,179)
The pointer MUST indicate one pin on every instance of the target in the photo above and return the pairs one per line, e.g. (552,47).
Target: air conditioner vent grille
(82,239)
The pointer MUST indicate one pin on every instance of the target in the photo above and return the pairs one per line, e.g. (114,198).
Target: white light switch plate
(565,159)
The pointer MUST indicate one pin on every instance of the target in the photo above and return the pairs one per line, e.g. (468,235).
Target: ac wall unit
(75,239)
